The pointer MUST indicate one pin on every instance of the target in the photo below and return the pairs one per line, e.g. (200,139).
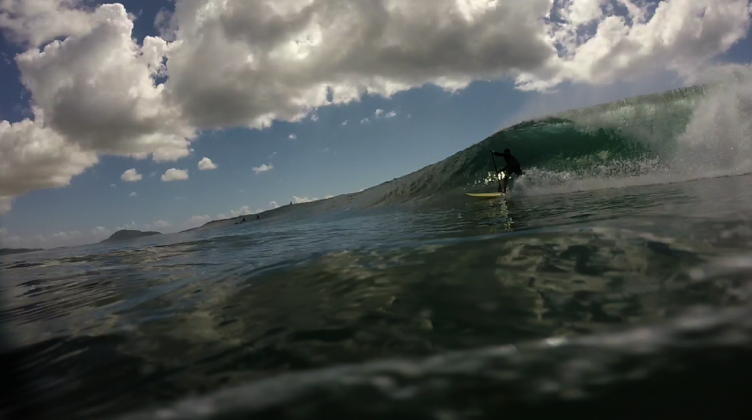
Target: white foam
(715,141)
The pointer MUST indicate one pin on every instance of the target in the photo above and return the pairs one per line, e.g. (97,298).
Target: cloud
(380,114)
(100,231)
(35,21)
(300,200)
(161,224)
(196,221)
(33,158)
(244,211)
(292,137)
(95,90)
(637,38)
(131,176)
(127,226)
(67,235)
(5,204)
(345,122)
(133,194)
(365,121)
(263,168)
(283,62)
(206,165)
(175,175)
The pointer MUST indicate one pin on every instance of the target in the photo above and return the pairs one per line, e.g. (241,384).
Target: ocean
(612,282)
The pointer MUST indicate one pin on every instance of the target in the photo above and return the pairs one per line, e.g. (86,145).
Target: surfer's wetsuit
(513,165)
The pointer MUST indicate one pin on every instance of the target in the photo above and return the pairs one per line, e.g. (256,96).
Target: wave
(690,133)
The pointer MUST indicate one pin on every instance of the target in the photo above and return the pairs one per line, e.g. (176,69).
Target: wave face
(679,135)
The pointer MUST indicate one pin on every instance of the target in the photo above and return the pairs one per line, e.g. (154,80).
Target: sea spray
(718,137)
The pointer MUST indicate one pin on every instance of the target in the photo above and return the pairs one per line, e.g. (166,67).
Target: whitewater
(613,282)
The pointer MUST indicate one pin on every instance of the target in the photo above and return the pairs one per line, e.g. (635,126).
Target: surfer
(512,167)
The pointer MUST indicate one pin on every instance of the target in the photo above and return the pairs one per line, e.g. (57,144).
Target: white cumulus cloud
(92,92)
(263,168)
(133,194)
(97,89)
(161,224)
(175,175)
(292,137)
(35,21)
(206,164)
(33,157)
(131,175)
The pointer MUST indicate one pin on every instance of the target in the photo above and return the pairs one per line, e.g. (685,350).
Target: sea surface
(613,282)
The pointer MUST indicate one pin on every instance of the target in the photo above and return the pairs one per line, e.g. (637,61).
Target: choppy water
(613,303)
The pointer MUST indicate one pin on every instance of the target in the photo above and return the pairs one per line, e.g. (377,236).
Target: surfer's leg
(504,184)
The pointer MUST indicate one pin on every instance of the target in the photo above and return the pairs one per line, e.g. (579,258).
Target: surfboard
(486,195)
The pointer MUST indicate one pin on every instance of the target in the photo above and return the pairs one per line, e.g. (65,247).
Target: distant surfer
(512,167)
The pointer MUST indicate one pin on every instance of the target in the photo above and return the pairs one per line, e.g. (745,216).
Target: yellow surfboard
(486,195)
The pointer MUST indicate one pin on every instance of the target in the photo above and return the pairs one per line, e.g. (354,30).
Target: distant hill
(11,251)
(126,235)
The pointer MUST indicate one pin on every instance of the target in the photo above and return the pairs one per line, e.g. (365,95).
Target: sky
(164,115)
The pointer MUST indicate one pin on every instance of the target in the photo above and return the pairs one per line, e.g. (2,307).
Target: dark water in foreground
(622,303)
